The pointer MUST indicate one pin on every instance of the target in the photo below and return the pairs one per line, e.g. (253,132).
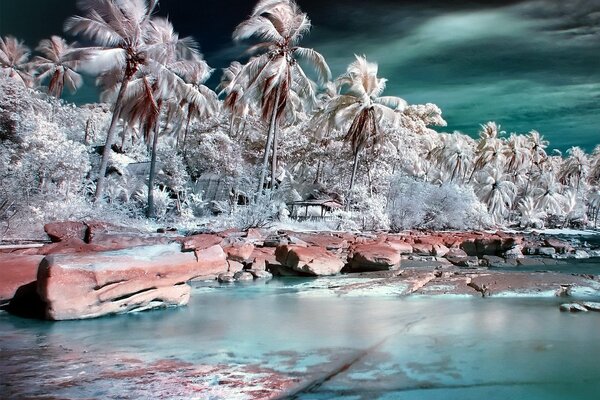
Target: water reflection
(257,340)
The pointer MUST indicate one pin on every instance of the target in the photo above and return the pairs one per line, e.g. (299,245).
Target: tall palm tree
(359,109)
(118,28)
(56,65)
(455,155)
(232,86)
(575,168)
(14,57)
(489,149)
(274,78)
(497,191)
(162,85)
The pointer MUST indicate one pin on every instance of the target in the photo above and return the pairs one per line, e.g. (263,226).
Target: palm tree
(489,148)
(232,86)
(360,110)
(576,167)
(56,65)
(14,57)
(274,78)
(455,155)
(497,191)
(547,194)
(162,85)
(118,28)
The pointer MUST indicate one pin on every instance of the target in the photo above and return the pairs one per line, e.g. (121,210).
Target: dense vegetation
(160,127)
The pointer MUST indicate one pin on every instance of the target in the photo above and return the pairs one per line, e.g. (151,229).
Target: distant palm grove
(161,147)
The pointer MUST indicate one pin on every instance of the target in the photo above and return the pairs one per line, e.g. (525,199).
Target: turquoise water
(335,347)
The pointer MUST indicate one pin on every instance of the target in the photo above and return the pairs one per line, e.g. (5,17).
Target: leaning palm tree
(14,57)
(274,78)
(118,28)
(56,66)
(232,85)
(359,109)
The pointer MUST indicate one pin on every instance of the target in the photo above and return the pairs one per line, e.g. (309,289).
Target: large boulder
(374,257)
(16,271)
(76,286)
(61,231)
(309,260)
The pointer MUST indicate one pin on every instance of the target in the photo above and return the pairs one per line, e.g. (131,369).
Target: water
(254,340)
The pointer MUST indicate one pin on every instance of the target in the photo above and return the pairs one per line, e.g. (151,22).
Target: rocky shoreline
(91,269)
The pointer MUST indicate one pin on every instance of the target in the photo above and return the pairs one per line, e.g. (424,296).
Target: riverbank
(92,269)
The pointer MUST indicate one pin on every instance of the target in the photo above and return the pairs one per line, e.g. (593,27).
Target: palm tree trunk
(272,126)
(110,138)
(185,135)
(150,212)
(274,158)
(352,178)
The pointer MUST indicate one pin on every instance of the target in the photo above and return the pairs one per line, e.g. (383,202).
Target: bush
(415,204)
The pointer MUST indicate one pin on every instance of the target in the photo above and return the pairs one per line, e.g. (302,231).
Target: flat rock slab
(309,260)
(15,271)
(77,286)
(530,283)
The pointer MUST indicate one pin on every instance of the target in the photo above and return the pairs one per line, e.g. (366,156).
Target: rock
(96,229)
(309,260)
(514,252)
(564,291)
(260,275)
(439,250)
(275,240)
(60,231)
(546,251)
(401,247)
(239,251)
(573,307)
(456,252)
(422,249)
(234,266)
(325,241)
(242,276)
(121,241)
(581,254)
(17,271)
(226,277)
(76,286)
(213,260)
(499,262)
(559,246)
(255,235)
(261,257)
(464,262)
(278,269)
(294,241)
(591,306)
(374,257)
(199,242)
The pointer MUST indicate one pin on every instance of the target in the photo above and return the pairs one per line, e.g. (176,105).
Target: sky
(531,64)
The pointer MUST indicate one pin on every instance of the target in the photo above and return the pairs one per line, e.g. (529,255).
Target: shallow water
(246,341)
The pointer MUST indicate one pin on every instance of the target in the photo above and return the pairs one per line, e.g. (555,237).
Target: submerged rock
(592,306)
(243,276)
(573,307)
(226,277)
(76,286)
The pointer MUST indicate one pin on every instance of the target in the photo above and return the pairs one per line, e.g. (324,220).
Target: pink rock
(17,271)
(261,257)
(76,286)
(375,257)
(399,246)
(423,249)
(325,241)
(239,251)
(60,231)
(201,241)
(309,260)
(439,250)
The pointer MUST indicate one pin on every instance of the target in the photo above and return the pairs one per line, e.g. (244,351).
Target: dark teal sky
(531,64)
